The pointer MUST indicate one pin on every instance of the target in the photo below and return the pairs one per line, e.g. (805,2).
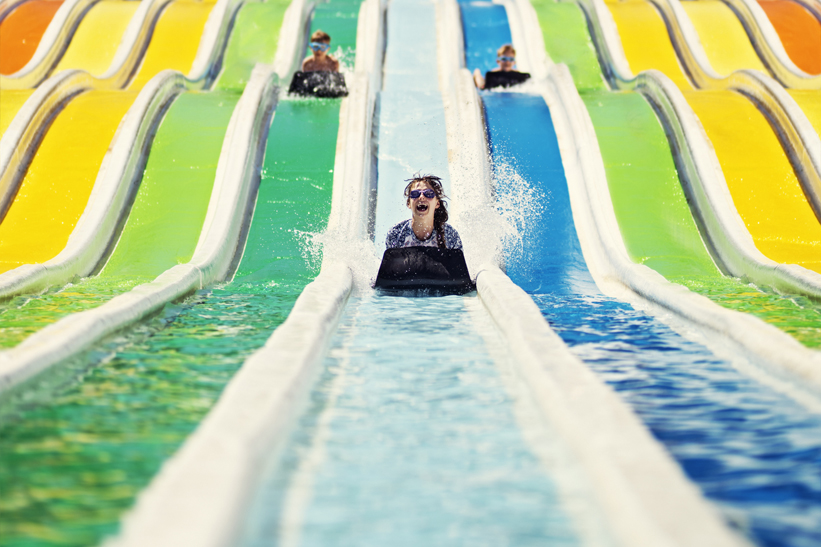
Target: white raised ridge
(200,496)
(288,58)
(18,140)
(768,45)
(133,37)
(704,182)
(213,40)
(532,39)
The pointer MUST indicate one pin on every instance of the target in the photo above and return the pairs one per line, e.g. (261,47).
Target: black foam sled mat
(423,271)
(318,84)
(505,79)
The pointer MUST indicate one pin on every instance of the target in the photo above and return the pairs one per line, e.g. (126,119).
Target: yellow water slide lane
(810,102)
(175,41)
(645,40)
(56,187)
(98,36)
(725,41)
(10,102)
(762,182)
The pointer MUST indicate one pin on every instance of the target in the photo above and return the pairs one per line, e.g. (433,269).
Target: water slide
(799,29)
(173,213)
(465,380)
(490,418)
(268,276)
(551,266)
(711,41)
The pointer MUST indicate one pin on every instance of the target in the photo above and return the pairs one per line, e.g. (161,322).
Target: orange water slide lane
(799,31)
(59,180)
(645,40)
(21,31)
(175,40)
(56,187)
(98,36)
(725,41)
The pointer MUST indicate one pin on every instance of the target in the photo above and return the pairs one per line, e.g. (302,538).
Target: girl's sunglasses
(506,59)
(430,194)
(319,46)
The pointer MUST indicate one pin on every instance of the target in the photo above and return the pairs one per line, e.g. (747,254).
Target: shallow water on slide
(411,437)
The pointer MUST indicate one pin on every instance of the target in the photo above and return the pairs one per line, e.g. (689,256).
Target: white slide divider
(132,47)
(295,23)
(212,256)
(644,495)
(7,6)
(200,496)
(108,198)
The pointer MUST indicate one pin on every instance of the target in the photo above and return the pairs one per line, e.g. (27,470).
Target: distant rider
(505,58)
(320,60)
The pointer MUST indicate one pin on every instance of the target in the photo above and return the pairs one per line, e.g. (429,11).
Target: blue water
(752,451)
(411,122)
(410,439)
(485,29)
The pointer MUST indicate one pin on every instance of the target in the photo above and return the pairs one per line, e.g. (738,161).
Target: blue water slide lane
(753,451)
(411,400)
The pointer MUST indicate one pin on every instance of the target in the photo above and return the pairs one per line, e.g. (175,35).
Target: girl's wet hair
(440,214)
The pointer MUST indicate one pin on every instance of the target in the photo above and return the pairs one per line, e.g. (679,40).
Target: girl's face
(423,205)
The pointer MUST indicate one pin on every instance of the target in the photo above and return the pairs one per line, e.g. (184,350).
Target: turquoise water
(410,438)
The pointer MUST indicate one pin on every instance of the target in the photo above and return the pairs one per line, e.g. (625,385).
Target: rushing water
(410,438)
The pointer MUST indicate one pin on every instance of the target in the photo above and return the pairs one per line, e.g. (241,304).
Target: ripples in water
(754,451)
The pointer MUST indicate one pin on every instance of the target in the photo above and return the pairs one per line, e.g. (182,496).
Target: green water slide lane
(568,41)
(657,225)
(253,40)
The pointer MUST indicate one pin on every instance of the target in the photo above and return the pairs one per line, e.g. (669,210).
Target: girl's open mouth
(421,207)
